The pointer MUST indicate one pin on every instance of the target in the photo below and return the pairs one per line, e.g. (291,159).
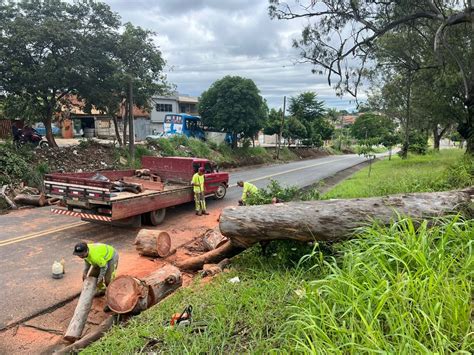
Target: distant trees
(234,104)
(52,49)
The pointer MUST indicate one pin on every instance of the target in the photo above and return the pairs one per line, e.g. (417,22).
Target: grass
(419,173)
(402,288)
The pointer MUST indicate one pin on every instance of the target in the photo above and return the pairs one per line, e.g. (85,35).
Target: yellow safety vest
(198,179)
(99,254)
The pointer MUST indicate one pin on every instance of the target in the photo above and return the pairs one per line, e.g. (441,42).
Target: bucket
(89,132)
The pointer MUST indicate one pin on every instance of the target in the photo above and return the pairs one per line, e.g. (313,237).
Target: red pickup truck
(96,200)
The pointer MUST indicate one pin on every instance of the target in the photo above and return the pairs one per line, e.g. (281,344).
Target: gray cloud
(204,40)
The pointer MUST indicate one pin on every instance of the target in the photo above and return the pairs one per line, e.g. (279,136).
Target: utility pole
(281,127)
(130,121)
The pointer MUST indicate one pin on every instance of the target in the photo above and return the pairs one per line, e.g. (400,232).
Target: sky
(205,40)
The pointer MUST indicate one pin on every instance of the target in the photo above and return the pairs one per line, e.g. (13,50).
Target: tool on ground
(182,319)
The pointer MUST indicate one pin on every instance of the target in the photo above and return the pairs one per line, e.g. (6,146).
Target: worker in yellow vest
(198,187)
(100,260)
(249,190)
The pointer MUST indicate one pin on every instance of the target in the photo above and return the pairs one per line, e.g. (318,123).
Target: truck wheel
(220,193)
(157,217)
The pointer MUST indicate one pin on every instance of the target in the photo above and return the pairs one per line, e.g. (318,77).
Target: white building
(162,105)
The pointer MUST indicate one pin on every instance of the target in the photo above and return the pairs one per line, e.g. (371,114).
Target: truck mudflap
(89,216)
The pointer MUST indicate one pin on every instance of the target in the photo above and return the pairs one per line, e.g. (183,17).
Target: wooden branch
(227,250)
(6,198)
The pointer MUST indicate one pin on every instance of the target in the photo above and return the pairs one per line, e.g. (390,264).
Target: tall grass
(398,289)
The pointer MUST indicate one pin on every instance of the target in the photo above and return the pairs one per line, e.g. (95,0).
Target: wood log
(332,220)
(78,321)
(89,338)
(127,294)
(328,220)
(31,200)
(145,184)
(3,194)
(152,242)
(213,239)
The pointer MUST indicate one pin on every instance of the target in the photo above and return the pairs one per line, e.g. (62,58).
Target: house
(162,105)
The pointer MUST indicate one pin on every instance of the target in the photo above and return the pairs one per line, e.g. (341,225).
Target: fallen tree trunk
(213,239)
(4,195)
(31,200)
(127,294)
(151,242)
(89,338)
(78,321)
(327,220)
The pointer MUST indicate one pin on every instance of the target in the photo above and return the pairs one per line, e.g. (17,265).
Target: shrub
(15,165)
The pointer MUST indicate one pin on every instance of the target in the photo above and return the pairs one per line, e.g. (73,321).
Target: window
(164,107)
(208,168)
(196,167)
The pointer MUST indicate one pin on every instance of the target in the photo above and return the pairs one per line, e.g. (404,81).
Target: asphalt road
(30,240)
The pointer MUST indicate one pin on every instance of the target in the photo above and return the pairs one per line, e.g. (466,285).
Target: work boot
(205,212)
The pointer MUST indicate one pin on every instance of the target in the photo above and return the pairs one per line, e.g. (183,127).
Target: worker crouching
(248,190)
(100,260)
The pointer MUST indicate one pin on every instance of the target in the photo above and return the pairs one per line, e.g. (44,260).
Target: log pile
(326,220)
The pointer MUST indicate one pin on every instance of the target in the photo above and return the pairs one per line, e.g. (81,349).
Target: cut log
(213,239)
(329,220)
(78,321)
(151,242)
(89,338)
(31,200)
(332,220)
(146,184)
(227,250)
(127,294)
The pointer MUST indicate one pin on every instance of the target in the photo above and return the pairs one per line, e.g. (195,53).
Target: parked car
(41,129)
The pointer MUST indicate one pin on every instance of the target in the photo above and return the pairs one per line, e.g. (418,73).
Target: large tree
(48,49)
(233,104)
(341,38)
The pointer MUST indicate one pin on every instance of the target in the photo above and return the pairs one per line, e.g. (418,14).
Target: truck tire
(157,217)
(220,192)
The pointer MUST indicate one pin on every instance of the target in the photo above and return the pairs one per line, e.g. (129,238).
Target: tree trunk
(131,140)
(227,250)
(127,294)
(234,140)
(103,327)
(151,242)
(31,200)
(117,131)
(125,122)
(436,138)
(470,123)
(3,194)
(49,131)
(332,220)
(78,321)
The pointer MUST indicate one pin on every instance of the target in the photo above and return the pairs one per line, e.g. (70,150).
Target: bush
(284,194)
(460,174)
(15,165)
(199,148)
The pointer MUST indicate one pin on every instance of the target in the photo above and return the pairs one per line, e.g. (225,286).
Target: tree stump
(155,243)
(31,200)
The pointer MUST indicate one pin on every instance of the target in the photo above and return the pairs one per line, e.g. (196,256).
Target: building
(162,105)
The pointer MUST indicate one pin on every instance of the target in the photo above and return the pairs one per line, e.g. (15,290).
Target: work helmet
(80,248)
(201,169)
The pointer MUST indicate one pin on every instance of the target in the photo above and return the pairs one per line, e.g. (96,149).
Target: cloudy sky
(204,40)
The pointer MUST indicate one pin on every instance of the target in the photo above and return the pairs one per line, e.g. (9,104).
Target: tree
(294,129)
(233,104)
(372,126)
(48,49)
(341,33)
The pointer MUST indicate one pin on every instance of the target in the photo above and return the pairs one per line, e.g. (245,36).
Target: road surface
(30,240)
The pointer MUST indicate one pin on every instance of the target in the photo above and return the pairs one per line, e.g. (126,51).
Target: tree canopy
(233,104)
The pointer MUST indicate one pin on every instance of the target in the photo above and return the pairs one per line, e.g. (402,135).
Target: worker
(100,260)
(249,190)
(198,187)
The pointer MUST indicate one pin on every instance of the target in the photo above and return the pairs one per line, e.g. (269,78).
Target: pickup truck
(96,200)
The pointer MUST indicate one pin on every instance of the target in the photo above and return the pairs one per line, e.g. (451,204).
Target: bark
(89,338)
(49,131)
(152,242)
(131,140)
(78,321)
(332,220)
(227,250)
(127,294)
(32,200)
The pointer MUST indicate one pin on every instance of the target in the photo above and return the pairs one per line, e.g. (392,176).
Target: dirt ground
(43,334)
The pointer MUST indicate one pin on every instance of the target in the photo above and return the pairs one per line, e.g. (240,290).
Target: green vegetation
(395,289)
(444,170)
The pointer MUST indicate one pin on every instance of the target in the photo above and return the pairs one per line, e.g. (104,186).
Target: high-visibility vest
(198,179)
(99,254)
(249,189)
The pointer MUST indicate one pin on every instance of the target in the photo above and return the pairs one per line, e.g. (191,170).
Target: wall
(157,117)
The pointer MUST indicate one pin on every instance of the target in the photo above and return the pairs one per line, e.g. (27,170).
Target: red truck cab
(98,201)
